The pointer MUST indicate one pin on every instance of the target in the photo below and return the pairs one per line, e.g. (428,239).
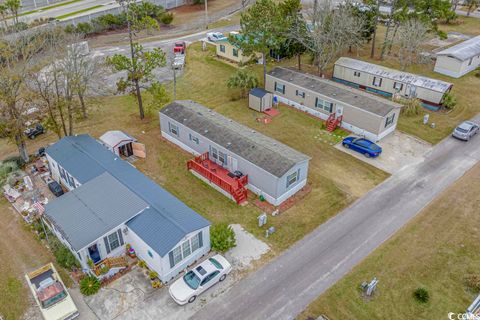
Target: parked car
(34,131)
(199,279)
(50,294)
(362,145)
(56,188)
(179,47)
(466,130)
(216,36)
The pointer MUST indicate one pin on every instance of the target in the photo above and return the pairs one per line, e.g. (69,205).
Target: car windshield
(52,300)
(462,130)
(216,263)
(192,280)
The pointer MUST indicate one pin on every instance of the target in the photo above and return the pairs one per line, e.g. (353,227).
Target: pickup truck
(50,294)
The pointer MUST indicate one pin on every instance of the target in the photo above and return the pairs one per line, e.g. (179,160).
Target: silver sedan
(466,130)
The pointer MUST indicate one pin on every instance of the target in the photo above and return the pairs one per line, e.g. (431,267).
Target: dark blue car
(362,145)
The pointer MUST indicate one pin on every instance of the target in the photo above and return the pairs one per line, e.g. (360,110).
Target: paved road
(283,288)
(473,14)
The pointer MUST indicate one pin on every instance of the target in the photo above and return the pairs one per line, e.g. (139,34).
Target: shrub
(70,28)
(84,28)
(142,264)
(421,295)
(152,275)
(243,80)
(156,284)
(473,282)
(449,101)
(411,107)
(89,285)
(166,18)
(104,269)
(64,257)
(222,237)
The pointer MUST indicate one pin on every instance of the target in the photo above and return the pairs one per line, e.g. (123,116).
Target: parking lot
(398,150)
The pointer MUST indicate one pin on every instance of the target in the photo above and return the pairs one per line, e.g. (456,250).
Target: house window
(292,178)
(222,157)
(299,93)
(398,86)
(389,120)
(280,87)
(62,173)
(325,105)
(377,82)
(113,241)
(235,52)
(214,153)
(222,48)
(194,139)
(185,249)
(173,128)
(356,74)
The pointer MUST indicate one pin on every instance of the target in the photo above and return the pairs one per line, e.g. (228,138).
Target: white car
(216,36)
(199,279)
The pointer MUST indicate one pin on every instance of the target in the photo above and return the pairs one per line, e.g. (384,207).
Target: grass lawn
(436,251)
(20,252)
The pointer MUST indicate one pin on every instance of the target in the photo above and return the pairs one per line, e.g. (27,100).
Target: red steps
(333,122)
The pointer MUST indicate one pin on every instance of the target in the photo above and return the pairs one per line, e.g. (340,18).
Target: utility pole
(206,14)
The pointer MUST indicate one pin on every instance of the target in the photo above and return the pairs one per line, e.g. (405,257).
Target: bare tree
(331,31)
(411,35)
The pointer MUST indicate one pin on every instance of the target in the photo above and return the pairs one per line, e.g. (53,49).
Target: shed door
(139,150)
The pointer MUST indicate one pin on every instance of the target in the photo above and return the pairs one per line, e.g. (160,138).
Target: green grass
(71,14)
(437,250)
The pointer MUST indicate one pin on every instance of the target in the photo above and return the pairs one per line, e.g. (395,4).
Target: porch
(106,265)
(221,177)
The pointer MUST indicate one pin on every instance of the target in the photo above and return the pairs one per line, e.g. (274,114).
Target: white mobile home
(460,59)
(113,204)
(362,113)
(387,82)
(232,157)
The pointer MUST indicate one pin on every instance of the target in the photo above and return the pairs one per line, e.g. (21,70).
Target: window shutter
(106,244)
(170,256)
(200,239)
(120,236)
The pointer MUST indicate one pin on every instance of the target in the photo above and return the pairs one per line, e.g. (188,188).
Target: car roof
(466,125)
(205,265)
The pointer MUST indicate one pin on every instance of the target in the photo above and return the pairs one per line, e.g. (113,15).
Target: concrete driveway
(399,150)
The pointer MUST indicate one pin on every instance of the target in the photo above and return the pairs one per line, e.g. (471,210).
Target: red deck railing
(219,176)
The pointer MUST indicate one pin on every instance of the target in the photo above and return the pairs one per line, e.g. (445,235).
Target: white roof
(400,76)
(464,50)
(114,137)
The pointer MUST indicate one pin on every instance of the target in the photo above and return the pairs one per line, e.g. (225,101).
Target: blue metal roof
(258,92)
(167,220)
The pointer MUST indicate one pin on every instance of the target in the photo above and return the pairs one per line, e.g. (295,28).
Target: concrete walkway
(283,288)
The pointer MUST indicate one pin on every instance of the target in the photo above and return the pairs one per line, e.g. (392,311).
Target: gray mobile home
(460,59)
(387,82)
(231,155)
(362,113)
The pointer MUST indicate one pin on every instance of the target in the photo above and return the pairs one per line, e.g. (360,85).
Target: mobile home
(460,59)
(362,113)
(388,82)
(112,204)
(227,50)
(231,156)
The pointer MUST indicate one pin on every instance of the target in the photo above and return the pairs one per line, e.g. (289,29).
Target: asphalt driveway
(283,288)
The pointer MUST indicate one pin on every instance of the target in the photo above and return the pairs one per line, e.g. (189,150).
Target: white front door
(411,91)
(233,164)
(339,110)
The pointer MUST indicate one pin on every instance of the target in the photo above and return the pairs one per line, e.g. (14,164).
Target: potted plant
(130,251)
(90,263)
(142,264)
(156,284)
(153,275)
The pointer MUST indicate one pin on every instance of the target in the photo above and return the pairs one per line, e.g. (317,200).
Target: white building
(460,59)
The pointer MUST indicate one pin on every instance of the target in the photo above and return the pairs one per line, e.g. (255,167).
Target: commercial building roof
(265,152)
(400,76)
(336,91)
(115,137)
(85,158)
(93,209)
(464,50)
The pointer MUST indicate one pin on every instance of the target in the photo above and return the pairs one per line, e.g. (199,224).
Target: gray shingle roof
(400,76)
(336,91)
(93,209)
(258,92)
(85,158)
(464,50)
(265,152)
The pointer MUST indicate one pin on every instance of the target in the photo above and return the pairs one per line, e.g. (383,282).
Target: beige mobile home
(460,59)
(362,113)
(387,82)
(231,157)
